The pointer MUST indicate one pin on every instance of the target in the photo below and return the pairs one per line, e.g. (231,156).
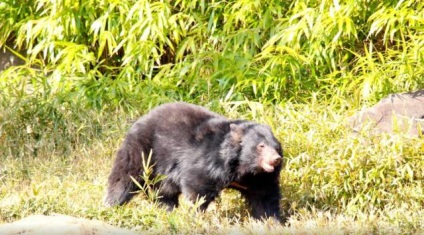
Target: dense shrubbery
(267,50)
(301,66)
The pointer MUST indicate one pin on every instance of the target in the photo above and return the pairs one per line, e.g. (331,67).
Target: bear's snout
(269,158)
(276,160)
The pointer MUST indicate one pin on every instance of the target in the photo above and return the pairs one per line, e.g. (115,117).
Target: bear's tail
(126,168)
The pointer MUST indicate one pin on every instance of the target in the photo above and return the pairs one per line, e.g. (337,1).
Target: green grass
(92,67)
(332,182)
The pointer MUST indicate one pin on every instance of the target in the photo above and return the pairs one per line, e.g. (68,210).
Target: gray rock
(399,112)
(60,225)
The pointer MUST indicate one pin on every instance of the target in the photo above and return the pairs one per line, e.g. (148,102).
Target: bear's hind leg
(121,187)
(120,191)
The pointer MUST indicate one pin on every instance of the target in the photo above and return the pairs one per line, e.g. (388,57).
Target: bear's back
(181,113)
(177,120)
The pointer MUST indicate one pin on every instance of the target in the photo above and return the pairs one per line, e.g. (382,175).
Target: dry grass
(322,186)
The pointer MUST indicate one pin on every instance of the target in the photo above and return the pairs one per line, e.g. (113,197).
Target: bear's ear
(236,132)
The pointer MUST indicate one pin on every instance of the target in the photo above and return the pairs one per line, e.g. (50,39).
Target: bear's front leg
(263,195)
(264,205)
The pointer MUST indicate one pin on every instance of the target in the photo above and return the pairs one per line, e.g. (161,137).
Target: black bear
(200,153)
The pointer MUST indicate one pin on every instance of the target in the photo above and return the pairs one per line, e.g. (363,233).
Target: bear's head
(260,150)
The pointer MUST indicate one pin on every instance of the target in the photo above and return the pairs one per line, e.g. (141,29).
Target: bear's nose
(276,160)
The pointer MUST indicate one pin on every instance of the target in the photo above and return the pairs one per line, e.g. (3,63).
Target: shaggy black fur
(201,153)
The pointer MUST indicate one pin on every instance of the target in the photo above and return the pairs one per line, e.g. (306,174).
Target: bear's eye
(261,145)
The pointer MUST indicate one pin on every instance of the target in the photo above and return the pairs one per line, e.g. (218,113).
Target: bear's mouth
(267,167)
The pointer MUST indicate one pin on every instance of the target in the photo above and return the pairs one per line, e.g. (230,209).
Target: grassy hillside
(93,67)
(332,180)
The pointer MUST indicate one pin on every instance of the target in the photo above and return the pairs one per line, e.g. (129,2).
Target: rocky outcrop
(60,225)
(400,112)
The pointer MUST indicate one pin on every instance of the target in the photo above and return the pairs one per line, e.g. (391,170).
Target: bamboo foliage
(268,50)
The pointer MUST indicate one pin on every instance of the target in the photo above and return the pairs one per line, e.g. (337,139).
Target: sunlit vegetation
(92,67)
